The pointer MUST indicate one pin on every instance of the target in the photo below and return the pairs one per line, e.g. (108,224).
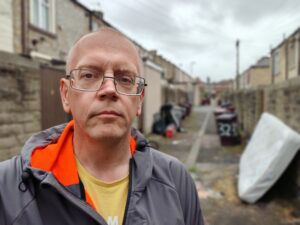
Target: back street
(215,171)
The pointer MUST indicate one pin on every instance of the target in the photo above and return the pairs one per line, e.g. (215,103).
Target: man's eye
(127,80)
(88,76)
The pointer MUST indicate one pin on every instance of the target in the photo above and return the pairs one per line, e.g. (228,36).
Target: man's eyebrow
(93,67)
(125,70)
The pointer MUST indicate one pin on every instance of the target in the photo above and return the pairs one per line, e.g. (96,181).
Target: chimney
(98,14)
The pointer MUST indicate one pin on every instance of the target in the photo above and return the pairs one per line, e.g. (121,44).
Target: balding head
(106,38)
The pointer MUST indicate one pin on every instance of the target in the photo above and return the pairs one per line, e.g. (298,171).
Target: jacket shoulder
(9,170)
(9,181)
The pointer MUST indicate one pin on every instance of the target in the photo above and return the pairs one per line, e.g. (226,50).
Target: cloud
(252,12)
(205,31)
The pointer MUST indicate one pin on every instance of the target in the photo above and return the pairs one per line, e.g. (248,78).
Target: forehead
(99,47)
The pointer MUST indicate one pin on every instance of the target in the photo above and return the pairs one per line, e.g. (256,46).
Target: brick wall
(20,112)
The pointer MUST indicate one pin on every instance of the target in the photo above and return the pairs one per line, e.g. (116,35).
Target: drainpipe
(237,45)
(272,66)
(286,45)
(24,27)
(299,53)
(90,21)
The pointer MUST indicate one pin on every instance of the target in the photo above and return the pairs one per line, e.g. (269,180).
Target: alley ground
(215,170)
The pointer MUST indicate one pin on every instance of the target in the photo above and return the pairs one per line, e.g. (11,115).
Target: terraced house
(257,75)
(34,42)
(285,60)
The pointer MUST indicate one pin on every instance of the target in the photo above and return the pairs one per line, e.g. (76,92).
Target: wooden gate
(52,110)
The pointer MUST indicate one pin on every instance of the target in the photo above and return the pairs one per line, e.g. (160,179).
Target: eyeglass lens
(89,80)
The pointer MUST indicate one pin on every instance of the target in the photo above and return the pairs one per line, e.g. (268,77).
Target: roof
(262,62)
(284,40)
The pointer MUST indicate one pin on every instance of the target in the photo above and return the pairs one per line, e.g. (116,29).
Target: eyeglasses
(92,80)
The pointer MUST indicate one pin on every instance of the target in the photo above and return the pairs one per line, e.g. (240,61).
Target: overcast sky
(200,35)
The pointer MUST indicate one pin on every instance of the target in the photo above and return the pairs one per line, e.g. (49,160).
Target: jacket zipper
(80,204)
(129,192)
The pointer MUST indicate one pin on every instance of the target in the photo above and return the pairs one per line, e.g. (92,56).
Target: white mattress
(271,148)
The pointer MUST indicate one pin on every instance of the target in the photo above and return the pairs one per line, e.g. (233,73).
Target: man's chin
(107,133)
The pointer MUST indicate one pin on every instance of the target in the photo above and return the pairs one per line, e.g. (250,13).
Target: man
(96,169)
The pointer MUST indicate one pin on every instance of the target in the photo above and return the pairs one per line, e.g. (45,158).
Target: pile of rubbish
(169,119)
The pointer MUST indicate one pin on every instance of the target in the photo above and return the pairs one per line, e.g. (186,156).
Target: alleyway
(215,170)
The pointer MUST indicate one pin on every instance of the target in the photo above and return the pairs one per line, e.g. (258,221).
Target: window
(291,55)
(42,14)
(276,65)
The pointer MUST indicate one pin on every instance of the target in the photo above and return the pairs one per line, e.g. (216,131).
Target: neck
(107,160)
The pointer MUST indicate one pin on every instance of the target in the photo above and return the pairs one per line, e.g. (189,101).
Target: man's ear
(139,110)
(64,94)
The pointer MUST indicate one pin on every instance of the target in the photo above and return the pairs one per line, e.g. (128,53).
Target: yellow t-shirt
(108,198)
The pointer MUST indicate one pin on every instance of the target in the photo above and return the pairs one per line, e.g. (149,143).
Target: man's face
(104,113)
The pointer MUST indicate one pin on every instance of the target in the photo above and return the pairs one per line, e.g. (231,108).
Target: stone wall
(20,113)
(281,100)
(286,103)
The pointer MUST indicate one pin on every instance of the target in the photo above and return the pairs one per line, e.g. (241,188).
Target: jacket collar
(49,150)
(58,158)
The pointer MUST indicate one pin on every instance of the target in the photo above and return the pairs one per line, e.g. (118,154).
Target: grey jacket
(161,192)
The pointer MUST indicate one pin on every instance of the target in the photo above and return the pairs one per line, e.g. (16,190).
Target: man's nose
(107,86)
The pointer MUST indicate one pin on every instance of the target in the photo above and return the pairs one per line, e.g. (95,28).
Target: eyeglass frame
(69,77)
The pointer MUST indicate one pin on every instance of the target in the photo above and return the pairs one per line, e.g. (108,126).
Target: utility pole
(192,65)
(237,45)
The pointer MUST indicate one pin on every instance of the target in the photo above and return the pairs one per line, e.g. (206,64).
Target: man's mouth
(109,114)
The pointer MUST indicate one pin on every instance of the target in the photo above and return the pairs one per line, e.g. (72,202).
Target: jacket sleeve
(188,196)
(2,215)
(3,219)
(12,200)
